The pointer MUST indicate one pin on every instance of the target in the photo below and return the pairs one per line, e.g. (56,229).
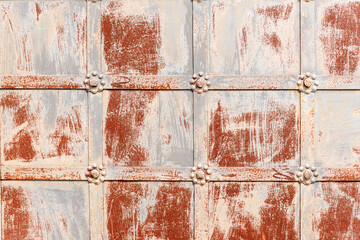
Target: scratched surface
(253,128)
(337,129)
(146,37)
(44,127)
(335,211)
(45,210)
(254,211)
(148,128)
(43,37)
(337,23)
(253,37)
(138,210)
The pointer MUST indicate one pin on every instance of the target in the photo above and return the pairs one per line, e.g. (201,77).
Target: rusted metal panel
(146,38)
(254,211)
(45,210)
(148,128)
(44,128)
(140,210)
(253,37)
(332,211)
(43,38)
(253,129)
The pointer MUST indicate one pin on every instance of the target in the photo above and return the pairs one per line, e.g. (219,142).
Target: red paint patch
(276,12)
(131,43)
(126,113)
(270,135)
(17,219)
(22,144)
(38,10)
(340,39)
(131,213)
(340,219)
(276,219)
(272,40)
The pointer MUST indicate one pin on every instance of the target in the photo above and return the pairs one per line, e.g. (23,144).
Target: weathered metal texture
(44,210)
(44,128)
(42,38)
(254,211)
(158,133)
(146,44)
(149,210)
(330,211)
(253,129)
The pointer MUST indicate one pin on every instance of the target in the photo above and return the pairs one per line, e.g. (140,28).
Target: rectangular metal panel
(148,128)
(44,128)
(43,38)
(254,211)
(140,210)
(253,37)
(45,210)
(253,128)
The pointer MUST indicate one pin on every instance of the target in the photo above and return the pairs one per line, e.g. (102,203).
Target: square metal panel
(253,37)
(138,210)
(254,211)
(253,128)
(148,128)
(44,128)
(45,210)
(43,37)
(145,37)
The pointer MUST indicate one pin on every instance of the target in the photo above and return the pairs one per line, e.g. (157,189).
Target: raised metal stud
(307,83)
(95,174)
(94,82)
(200,83)
(307,175)
(200,174)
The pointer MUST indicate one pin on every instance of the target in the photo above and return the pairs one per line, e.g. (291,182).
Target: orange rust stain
(130,213)
(131,43)
(273,222)
(17,219)
(38,82)
(246,145)
(66,127)
(339,220)
(38,10)
(340,39)
(272,40)
(21,145)
(276,12)
(126,113)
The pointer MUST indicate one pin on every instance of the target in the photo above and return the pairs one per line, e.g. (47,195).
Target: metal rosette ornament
(95,174)
(307,174)
(307,83)
(200,174)
(94,82)
(200,83)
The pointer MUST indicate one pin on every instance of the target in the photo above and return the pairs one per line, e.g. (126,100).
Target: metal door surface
(162,119)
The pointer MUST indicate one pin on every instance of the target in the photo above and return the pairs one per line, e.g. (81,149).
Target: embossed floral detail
(307,174)
(94,82)
(307,83)
(95,174)
(200,83)
(200,174)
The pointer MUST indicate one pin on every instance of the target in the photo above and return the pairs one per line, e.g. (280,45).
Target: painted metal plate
(254,211)
(45,210)
(140,210)
(45,127)
(148,128)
